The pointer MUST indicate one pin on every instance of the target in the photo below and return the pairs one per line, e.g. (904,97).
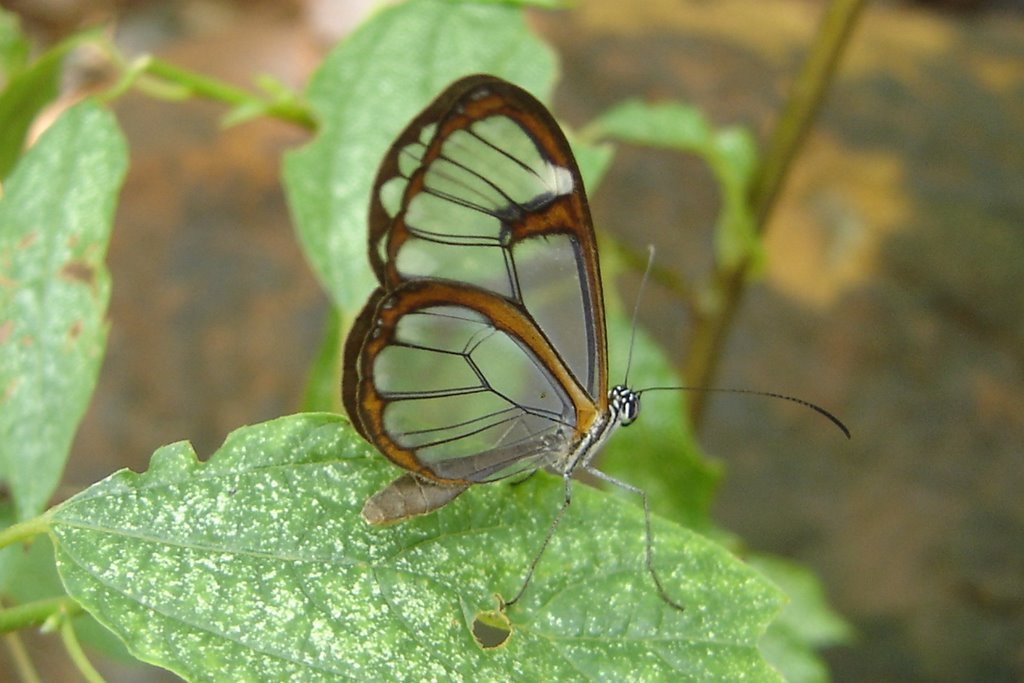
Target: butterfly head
(624,404)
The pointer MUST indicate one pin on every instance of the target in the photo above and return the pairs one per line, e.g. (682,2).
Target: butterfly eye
(624,403)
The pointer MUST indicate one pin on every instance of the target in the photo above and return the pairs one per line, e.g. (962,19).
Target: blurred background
(892,296)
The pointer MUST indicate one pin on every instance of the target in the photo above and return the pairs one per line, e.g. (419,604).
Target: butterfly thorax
(623,407)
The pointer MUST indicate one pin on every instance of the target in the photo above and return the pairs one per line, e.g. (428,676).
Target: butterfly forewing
(482,188)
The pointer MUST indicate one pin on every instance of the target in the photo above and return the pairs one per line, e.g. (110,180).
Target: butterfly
(482,354)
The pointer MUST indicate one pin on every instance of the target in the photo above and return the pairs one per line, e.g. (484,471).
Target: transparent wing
(453,384)
(482,188)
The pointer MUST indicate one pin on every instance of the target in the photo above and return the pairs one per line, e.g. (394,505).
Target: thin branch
(36,613)
(805,100)
(728,286)
(24,531)
(203,86)
(85,667)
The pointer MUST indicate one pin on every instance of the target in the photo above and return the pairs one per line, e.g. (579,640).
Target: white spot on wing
(562,181)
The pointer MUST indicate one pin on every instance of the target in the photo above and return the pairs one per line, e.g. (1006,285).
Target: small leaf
(13,46)
(55,221)
(27,92)
(669,124)
(257,565)
(243,113)
(808,613)
(593,161)
(733,159)
(365,92)
(731,154)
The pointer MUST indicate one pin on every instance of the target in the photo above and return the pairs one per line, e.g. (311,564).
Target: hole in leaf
(491,629)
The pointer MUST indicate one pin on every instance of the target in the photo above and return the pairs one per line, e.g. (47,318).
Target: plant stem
(729,284)
(67,632)
(23,531)
(36,613)
(212,89)
(805,100)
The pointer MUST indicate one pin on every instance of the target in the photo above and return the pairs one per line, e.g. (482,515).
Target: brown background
(893,293)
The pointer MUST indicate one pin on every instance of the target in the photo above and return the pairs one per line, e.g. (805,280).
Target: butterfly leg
(567,478)
(647,529)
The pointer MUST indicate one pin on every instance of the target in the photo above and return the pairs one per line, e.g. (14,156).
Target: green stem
(36,613)
(166,81)
(729,284)
(805,100)
(23,531)
(203,86)
(85,667)
(196,83)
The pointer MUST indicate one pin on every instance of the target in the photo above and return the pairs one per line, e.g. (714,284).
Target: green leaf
(593,160)
(55,221)
(13,46)
(807,623)
(27,92)
(731,154)
(322,392)
(365,92)
(257,565)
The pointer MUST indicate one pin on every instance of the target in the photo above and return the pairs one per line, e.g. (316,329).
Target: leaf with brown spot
(55,291)
(79,271)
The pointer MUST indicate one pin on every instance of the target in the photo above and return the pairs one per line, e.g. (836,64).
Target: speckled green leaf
(55,220)
(731,154)
(365,92)
(256,565)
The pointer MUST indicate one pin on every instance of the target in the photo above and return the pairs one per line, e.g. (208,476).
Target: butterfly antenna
(770,394)
(636,310)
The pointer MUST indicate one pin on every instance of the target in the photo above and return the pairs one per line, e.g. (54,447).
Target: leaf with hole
(256,564)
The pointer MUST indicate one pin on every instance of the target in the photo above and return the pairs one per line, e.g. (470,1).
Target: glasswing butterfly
(482,353)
